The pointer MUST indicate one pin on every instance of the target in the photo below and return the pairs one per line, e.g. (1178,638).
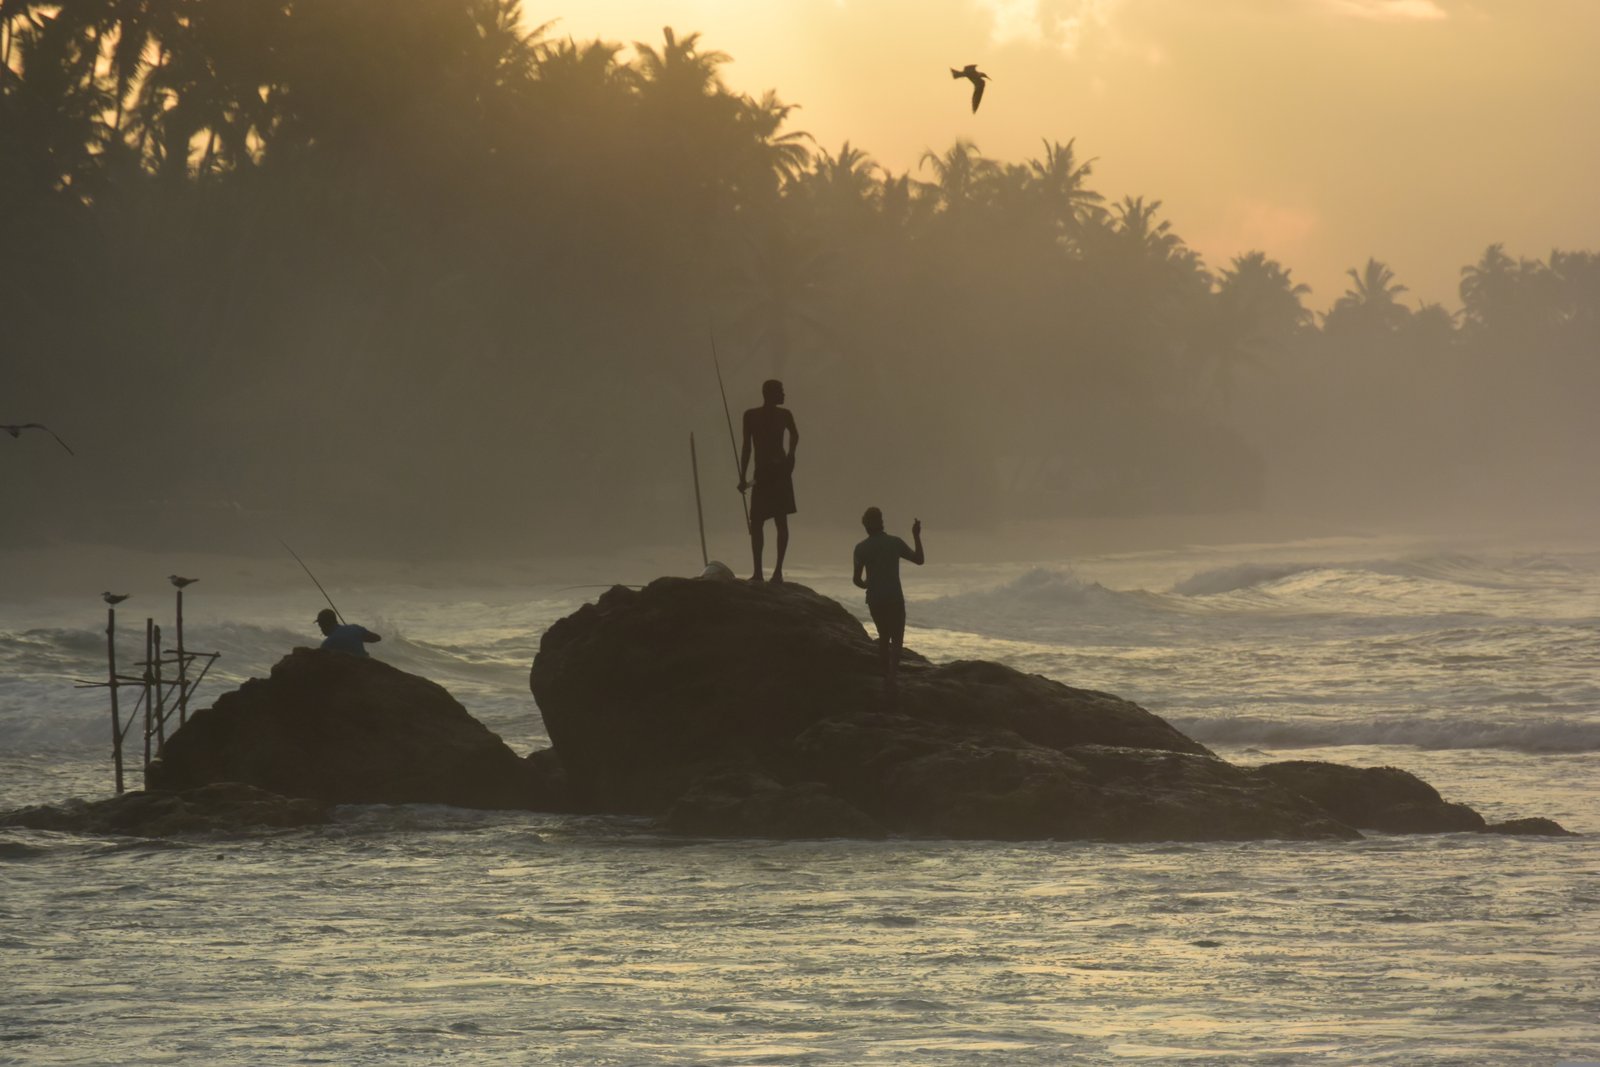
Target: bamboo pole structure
(149,667)
(183,665)
(161,700)
(111,680)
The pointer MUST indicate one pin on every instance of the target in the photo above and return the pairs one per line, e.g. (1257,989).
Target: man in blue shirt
(878,572)
(343,637)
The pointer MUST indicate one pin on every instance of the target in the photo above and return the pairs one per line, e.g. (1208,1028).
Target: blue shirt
(880,555)
(348,638)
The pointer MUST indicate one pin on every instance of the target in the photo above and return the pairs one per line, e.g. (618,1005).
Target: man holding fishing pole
(773,495)
(344,637)
(337,635)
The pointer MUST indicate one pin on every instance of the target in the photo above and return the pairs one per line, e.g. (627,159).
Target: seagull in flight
(16,431)
(976,77)
(113,598)
(181,581)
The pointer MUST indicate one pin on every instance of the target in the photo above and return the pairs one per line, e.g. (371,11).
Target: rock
(740,708)
(1373,798)
(1535,827)
(750,804)
(346,729)
(227,807)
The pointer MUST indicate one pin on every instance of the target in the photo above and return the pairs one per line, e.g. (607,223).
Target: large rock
(347,729)
(752,709)
(1373,798)
(229,807)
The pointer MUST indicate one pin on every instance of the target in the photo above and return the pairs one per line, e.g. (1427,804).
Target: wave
(1520,572)
(1534,735)
(1240,576)
(1049,587)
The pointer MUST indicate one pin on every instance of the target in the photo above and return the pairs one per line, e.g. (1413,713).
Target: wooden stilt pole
(700,512)
(149,700)
(111,679)
(161,700)
(183,672)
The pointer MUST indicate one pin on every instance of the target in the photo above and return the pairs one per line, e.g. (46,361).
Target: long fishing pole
(732,441)
(700,512)
(313,578)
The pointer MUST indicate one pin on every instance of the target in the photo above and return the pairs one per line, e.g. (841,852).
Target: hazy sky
(1321,131)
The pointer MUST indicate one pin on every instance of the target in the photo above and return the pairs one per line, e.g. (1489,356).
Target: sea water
(436,935)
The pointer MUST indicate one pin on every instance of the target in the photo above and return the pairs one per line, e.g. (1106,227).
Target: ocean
(431,935)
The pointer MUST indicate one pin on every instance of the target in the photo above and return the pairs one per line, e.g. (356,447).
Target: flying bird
(976,77)
(113,598)
(16,431)
(180,581)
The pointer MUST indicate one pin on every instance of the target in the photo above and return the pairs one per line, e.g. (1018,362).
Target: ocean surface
(425,935)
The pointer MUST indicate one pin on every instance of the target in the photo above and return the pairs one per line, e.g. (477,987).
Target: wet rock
(1535,827)
(347,729)
(750,804)
(1386,799)
(226,807)
(752,709)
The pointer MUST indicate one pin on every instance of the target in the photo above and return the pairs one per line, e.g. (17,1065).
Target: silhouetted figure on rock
(343,637)
(878,572)
(773,496)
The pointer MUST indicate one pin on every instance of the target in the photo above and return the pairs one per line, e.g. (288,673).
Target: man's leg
(781,522)
(757,543)
(897,640)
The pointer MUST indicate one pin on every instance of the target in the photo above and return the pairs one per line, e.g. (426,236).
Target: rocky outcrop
(212,809)
(1386,799)
(748,709)
(345,729)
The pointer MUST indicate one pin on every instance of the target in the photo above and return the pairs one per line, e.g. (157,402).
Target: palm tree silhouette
(1370,307)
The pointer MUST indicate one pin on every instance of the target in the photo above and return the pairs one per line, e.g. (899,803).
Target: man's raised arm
(916,556)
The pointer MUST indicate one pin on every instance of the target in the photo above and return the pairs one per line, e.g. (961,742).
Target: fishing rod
(313,578)
(732,441)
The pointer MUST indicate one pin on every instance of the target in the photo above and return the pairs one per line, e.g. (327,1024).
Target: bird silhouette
(113,598)
(179,581)
(16,431)
(976,77)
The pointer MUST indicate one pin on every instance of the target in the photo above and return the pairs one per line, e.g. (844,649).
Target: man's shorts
(889,616)
(772,495)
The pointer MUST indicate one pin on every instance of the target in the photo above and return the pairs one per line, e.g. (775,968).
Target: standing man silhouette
(878,572)
(773,497)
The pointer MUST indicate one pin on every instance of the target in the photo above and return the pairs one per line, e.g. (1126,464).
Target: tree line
(428,269)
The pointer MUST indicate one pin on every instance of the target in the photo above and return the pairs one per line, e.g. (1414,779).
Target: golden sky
(1320,131)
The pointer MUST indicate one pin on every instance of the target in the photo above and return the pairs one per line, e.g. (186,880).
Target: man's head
(772,391)
(327,619)
(872,519)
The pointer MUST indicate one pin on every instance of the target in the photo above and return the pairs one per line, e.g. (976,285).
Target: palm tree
(1061,180)
(1370,308)
(775,158)
(678,69)
(959,174)
(1260,291)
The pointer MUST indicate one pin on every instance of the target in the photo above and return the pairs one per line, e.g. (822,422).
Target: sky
(1321,132)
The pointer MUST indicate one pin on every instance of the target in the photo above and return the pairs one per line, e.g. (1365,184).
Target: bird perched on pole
(179,581)
(976,77)
(113,598)
(16,431)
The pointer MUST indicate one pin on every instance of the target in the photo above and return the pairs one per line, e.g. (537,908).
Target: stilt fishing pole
(313,578)
(732,441)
